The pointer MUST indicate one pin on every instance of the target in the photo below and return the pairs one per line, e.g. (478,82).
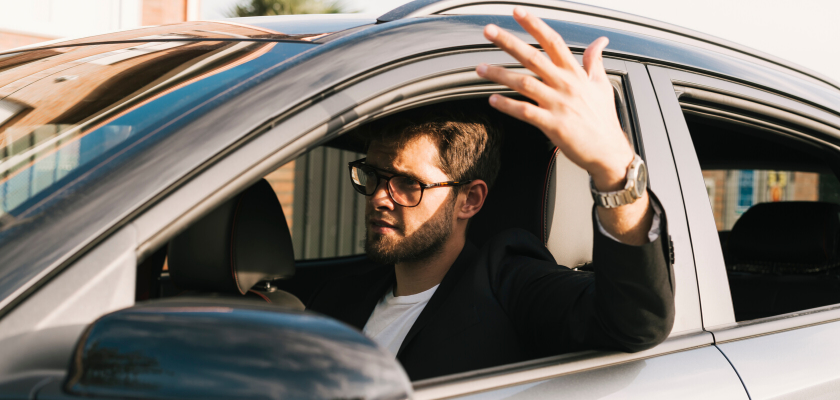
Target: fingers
(593,61)
(525,84)
(548,38)
(526,54)
(523,111)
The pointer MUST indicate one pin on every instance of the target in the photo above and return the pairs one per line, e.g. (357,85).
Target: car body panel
(39,335)
(787,356)
(797,364)
(695,374)
(656,150)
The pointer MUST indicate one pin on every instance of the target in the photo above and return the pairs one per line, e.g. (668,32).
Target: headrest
(567,198)
(785,237)
(243,241)
(514,201)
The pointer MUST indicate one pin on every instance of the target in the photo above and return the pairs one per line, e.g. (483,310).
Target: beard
(421,245)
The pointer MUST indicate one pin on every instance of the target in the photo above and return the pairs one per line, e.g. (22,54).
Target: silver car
(114,147)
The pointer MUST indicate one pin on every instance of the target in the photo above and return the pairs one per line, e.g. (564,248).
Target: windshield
(62,109)
(69,117)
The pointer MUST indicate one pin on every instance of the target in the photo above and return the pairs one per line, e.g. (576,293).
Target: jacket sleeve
(626,304)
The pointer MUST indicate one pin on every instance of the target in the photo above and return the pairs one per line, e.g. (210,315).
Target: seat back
(567,212)
(783,257)
(241,243)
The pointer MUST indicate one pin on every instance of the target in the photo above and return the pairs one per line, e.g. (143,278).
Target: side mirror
(223,349)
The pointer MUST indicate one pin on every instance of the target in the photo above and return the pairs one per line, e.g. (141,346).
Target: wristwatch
(633,190)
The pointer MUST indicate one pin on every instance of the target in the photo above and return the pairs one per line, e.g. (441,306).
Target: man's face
(400,234)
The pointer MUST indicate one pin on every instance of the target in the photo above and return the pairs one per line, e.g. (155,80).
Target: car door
(767,298)
(681,367)
(686,359)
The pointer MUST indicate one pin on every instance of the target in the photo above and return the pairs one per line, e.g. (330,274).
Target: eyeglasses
(403,190)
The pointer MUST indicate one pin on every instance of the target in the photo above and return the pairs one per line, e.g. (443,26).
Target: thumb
(593,62)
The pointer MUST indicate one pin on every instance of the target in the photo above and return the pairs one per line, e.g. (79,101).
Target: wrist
(612,177)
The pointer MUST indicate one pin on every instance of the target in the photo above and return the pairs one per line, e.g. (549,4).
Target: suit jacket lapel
(359,309)
(450,280)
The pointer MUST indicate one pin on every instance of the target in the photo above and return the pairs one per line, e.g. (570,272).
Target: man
(443,306)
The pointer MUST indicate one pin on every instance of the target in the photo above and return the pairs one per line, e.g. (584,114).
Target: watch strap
(621,197)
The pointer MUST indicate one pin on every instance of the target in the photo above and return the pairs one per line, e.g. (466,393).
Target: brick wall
(807,185)
(282,180)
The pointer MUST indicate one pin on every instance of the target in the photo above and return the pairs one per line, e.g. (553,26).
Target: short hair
(468,142)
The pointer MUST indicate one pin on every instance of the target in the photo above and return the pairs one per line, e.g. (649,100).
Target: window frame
(816,125)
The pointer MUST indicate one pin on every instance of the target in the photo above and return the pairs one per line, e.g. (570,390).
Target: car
(127,157)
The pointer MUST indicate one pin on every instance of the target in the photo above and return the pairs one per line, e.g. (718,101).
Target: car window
(69,111)
(324,213)
(776,203)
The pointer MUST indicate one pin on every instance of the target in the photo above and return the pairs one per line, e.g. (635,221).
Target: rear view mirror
(224,349)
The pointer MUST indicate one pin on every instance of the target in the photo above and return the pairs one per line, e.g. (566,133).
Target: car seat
(783,257)
(536,186)
(237,250)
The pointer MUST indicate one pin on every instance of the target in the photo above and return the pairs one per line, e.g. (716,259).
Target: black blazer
(509,301)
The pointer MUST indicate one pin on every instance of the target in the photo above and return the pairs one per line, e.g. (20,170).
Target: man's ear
(471,199)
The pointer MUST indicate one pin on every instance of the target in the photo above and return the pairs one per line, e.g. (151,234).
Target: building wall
(159,12)
(32,21)
(732,192)
(10,39)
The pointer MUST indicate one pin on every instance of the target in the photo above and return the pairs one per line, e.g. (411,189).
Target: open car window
(324,213)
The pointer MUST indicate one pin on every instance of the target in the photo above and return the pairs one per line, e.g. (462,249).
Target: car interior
(777,208)
(243,248)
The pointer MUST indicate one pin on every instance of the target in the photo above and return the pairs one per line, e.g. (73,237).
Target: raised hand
(576,106)
(576,111)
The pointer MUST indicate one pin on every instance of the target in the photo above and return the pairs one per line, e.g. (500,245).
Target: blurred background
(805,32)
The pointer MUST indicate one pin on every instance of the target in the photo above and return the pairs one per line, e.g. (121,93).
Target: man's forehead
(415,157)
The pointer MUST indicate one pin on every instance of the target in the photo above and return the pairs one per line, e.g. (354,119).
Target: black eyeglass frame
(379,178)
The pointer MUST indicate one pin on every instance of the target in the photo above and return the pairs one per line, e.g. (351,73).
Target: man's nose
(380,198)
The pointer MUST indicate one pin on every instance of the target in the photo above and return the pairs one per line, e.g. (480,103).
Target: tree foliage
(256,8)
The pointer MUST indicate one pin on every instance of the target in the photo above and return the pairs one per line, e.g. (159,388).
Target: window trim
(671,86)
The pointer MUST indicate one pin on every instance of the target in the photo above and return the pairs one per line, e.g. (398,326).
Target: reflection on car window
(63,111)
(776,204)
(733,191)
(324,213)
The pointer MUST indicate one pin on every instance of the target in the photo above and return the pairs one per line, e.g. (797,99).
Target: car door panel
(40,333)
(797,364)
(785,356)
(695,374)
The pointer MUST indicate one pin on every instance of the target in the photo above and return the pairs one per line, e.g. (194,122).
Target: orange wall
(159,12)
(10,40)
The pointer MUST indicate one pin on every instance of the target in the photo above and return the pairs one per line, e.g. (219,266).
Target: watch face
(641,180)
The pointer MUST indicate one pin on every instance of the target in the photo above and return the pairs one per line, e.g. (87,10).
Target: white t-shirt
(393,317)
